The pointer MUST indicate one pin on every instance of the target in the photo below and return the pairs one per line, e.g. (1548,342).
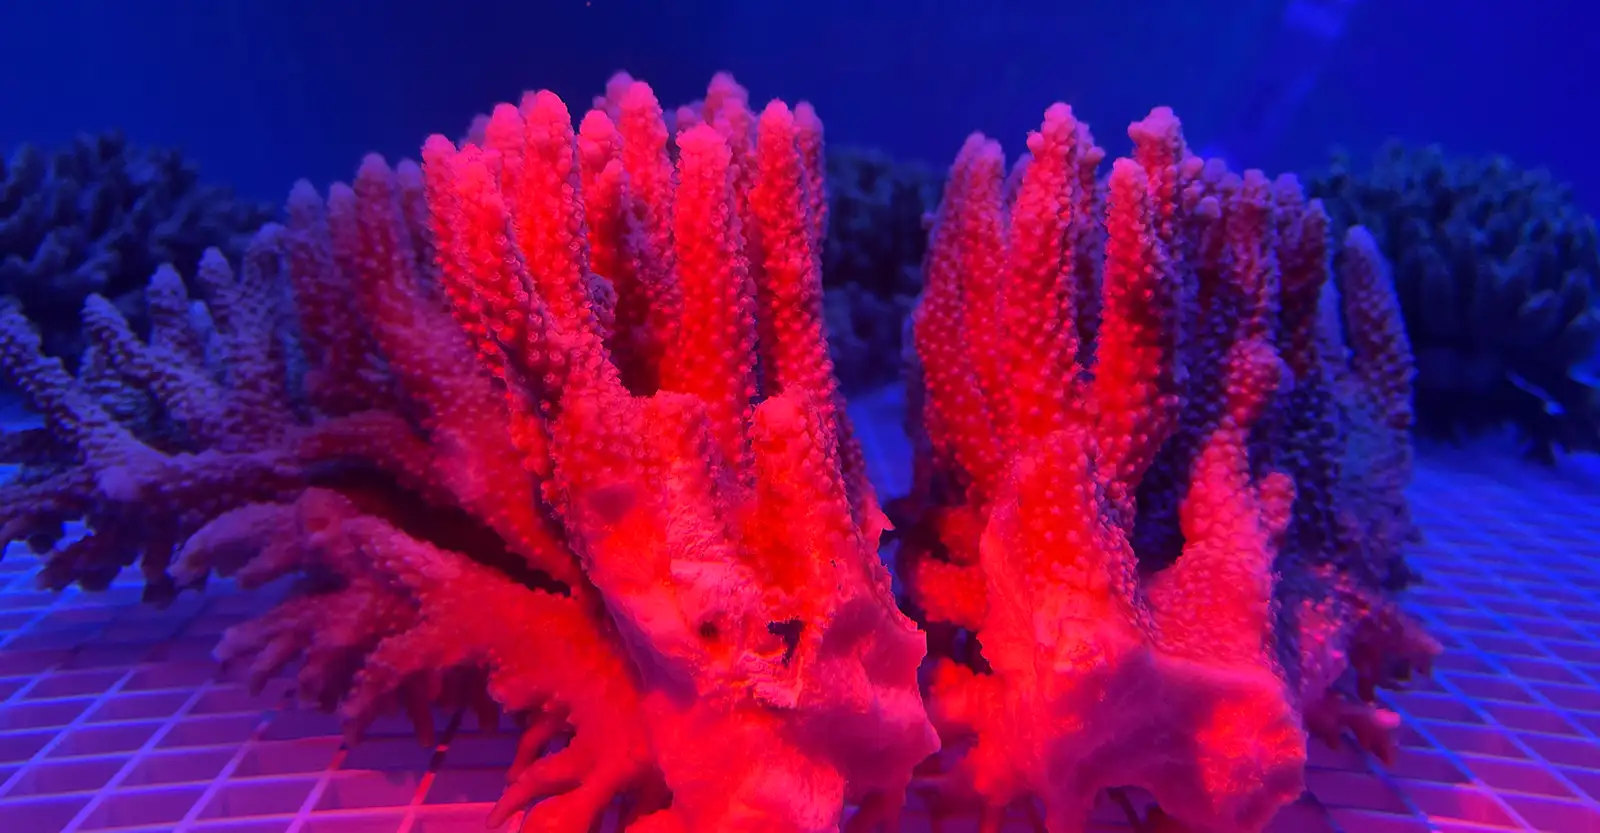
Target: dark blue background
(263,91)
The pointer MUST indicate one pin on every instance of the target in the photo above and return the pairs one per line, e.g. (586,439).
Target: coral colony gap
(548,425)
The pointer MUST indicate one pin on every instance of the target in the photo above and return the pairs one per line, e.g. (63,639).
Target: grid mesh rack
(113,716)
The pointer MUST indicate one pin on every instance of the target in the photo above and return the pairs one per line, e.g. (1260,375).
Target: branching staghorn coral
(735,546)
(1156,555)
(553,428)
(629,509)
(874,238)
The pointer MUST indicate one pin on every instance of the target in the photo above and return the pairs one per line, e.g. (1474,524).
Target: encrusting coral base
(547,425)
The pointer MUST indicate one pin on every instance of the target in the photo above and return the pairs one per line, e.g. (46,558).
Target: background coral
(1496,268)
(872,260)
(98,217)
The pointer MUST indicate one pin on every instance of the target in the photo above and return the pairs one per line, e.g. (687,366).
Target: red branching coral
(548,425)
(1155,548)
(733,542)
(377,469)
(625,506)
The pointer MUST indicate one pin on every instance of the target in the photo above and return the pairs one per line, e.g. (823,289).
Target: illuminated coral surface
(1158,543)
(547,426)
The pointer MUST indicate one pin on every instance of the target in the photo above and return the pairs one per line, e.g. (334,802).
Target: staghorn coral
(1156,552)
(874,239)
(1496,270)
(735,546)
(98,217)
(629,509)
(396,476)
(554,428)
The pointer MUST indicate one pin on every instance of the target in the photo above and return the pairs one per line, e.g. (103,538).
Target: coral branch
(715,501)
(1173,537)
(629,509)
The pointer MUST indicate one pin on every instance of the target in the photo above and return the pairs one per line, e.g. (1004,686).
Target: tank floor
(113,716)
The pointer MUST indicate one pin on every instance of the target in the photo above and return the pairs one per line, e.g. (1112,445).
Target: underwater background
(261,94)
(138,134)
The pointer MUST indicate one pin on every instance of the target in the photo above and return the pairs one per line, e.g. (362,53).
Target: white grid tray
(112,717)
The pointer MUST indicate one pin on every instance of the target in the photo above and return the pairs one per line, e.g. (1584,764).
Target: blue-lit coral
(1497,271)
(99,216)
(872,259)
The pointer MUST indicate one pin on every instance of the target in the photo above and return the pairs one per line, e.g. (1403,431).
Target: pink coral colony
(547,426)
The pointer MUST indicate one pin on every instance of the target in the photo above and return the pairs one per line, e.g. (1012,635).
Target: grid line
(113,719)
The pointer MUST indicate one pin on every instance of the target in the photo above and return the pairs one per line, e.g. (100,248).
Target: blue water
(261,93)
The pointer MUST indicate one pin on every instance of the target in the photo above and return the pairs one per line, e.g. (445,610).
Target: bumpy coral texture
(874,238)
(1158,508)
(557,430)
